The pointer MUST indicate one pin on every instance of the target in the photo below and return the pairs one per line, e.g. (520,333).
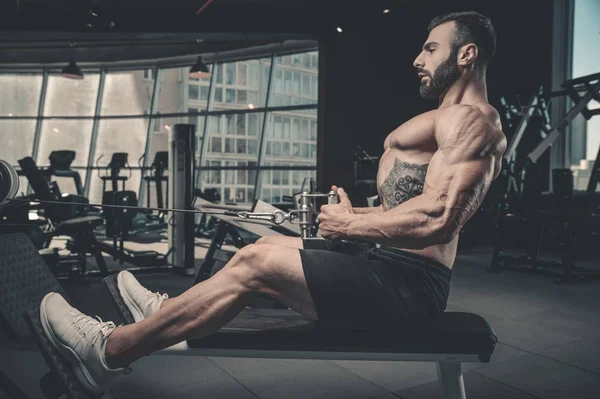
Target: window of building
(193,92)
(243,74)
(204,93)
(150,74)
(230,74)
(230,96)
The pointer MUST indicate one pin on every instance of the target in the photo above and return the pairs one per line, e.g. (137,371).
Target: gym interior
(163,137)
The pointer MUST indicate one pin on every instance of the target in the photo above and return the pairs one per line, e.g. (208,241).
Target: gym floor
(548,348)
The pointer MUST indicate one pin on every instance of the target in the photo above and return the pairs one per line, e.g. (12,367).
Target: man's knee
(250,265)
(263,240)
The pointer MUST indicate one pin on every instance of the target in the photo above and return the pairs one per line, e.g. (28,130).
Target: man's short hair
(470,27)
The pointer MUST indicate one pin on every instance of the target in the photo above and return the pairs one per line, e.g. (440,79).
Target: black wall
(369,86)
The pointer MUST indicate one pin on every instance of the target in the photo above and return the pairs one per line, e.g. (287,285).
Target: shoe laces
(94,326)
(154,295)
(86,326)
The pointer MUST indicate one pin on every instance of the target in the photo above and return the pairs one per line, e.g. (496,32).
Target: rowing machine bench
(449,339)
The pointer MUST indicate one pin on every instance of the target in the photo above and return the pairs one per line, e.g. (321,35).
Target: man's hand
(335,218)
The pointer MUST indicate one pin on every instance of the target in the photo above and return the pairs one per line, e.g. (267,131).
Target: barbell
(9,186)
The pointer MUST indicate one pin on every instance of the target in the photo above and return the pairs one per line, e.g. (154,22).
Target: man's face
(436,64)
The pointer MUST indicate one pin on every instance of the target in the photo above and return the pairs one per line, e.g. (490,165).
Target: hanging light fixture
(200,70)
(72,71)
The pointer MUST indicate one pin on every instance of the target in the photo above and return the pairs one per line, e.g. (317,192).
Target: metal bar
(595,175)
(564,92)
(511,151)
(263,141)
(583,79)
(94,139)
(183,349)
(450,378)
(560,127)
(151,122)
(174,114)
(290,44)
(137,208)
(596,95)
(38,125)
(40,117)
(270,167)
(203,146)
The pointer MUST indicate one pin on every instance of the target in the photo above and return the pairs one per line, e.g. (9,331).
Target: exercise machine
(157,176)
(60,166)
(563,210)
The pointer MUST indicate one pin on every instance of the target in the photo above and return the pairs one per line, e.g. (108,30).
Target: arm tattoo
(404,182)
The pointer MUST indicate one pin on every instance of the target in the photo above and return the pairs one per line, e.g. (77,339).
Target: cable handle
(332,196)
(277,217)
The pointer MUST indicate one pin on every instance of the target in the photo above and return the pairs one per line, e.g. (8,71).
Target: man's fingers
(343,196)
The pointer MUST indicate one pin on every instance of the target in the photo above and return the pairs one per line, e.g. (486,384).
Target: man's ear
(468,54)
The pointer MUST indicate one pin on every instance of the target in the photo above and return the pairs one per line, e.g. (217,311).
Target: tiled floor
(549,338)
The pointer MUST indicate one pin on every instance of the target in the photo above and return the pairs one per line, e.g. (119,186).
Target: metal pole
(263,141)
(209,104)
(511,151)
(94,139)
(181,185)
(151,122)
(38,125)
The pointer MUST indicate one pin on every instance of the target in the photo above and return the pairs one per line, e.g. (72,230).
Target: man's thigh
(348,290)
(291,242)
(280,275)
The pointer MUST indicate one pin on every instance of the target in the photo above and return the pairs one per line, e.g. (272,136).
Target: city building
(269,101)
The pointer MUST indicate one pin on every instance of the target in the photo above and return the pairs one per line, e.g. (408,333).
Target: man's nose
(418,63)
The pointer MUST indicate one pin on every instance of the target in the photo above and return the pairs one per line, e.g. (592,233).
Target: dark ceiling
(51,31)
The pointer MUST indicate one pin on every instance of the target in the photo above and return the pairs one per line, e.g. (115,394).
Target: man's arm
(371,209)
(458,177)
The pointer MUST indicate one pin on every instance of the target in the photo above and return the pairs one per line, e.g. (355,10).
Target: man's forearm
(371,209)
(405,226)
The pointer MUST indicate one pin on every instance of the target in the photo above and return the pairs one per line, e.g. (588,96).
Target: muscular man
(433,175)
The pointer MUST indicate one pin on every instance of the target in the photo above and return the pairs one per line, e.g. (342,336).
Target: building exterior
(132,111)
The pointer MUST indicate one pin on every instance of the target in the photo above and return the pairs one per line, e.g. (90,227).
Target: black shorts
(377,286)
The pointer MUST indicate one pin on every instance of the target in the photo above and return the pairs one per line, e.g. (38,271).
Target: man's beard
(444,76)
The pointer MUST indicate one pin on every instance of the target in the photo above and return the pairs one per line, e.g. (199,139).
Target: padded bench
(449,339)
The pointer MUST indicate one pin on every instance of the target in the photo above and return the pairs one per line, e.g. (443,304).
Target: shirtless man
(433,175)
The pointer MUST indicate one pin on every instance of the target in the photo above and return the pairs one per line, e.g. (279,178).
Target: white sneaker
(140,301)
(81,340)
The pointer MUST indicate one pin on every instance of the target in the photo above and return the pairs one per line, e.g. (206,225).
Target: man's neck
(469,89)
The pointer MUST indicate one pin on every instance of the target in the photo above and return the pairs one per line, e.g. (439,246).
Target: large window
(290,141)
(133,111)
(67,97)
(17,139)
(119,135)
(586,61)
(126,94)
(20,94)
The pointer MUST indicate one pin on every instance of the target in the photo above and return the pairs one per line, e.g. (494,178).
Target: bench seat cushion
(264,329)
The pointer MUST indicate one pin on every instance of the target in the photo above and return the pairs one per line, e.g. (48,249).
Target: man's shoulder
(461,113)
(479,122)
